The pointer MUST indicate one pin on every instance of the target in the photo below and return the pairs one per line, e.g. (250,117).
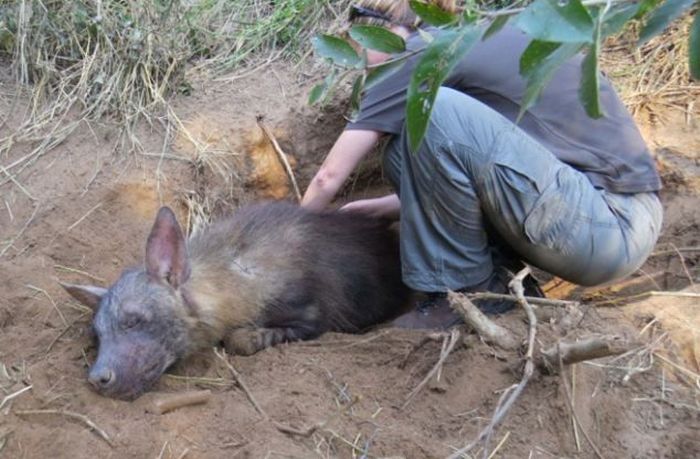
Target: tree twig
(485,327)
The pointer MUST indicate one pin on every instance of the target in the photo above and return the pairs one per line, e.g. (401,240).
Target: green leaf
(356,94)
(534,54)
(565,21)
(321,91)
(316,93)
(589,91)
(541,75)
(694,47)
(336,49)
(645,6)
(377,38)
(438,59)
(616,19)
(662,17)
(433,14)
(380,73)
(495,26)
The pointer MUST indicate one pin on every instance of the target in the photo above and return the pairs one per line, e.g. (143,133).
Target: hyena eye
(131,321)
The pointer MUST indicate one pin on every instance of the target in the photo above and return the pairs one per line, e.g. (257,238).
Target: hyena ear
(89,295)
(166,250)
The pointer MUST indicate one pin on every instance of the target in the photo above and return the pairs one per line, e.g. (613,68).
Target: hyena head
(142,322)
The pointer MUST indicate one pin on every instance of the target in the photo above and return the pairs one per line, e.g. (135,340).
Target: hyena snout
(101,377)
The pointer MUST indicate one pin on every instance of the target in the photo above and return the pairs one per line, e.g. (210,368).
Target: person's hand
(384,207)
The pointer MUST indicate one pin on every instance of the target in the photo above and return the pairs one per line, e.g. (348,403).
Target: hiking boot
(433,312)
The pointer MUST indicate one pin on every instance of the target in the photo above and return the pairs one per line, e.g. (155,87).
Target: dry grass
(88,61)
(654,77)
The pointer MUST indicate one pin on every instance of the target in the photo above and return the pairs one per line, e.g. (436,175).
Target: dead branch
(448,344)
(579,351)
(485,327)
(280,155)
(162,405)
(77,416)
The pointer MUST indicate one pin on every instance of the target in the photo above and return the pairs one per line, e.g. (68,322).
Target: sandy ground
(81,214)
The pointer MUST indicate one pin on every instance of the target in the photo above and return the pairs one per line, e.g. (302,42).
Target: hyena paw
(243,341)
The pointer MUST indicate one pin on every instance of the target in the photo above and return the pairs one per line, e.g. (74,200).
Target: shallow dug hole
(342,395)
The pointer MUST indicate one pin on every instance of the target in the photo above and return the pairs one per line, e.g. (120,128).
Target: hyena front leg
(248,341)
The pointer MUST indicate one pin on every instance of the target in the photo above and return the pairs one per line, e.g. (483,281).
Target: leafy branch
(559,30)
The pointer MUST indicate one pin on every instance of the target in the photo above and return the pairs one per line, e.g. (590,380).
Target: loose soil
(87,218)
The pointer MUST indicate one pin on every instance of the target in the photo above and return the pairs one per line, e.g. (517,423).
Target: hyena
(271,273)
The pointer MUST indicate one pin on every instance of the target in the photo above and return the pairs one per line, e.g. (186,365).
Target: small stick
(451,340)
(167,403)
(280,154)
(16,394)
(239,380)
(77,416)
(570,404)
(94,208)
(484,326)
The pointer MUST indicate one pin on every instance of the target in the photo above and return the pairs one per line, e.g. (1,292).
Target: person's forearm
(347,152)
(320,192)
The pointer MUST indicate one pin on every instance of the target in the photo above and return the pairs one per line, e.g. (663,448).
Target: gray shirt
(609,150)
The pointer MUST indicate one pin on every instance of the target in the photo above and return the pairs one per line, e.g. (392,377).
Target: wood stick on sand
(280,154)
(170,402)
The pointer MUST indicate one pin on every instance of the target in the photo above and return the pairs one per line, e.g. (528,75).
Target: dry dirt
(89,212)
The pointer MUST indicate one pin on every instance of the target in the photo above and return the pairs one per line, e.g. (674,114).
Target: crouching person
(569,194)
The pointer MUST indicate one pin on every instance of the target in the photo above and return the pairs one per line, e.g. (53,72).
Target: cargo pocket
(554,218)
